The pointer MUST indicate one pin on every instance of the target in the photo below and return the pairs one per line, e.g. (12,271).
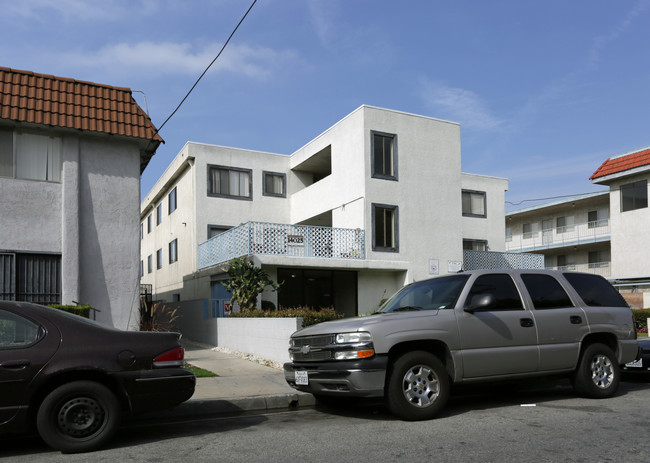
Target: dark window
(30,277)
(214,230)
(598,218)
(159,259)
(149,223)
(546,292)
(141,231)
(173,251)
(501,287)
(158,214)
(17,332)
(229,182)
(274,184)
(634,195)
(149,263)
(141,268)
(385,230)
(474,203)
(475,245)
(595,290)
(564,224)
(384,156)
(171,201)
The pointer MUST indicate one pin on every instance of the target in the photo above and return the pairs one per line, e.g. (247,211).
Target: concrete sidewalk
(241,385)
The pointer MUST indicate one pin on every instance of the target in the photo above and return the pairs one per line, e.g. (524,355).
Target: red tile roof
(617,164)
(29,97)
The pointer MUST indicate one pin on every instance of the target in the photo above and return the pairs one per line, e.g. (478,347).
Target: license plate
(302,378)
(635,364)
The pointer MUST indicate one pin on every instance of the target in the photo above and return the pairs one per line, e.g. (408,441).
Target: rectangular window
(599,259)
(634,195)
(158,214)
(229,182)
(564,224)
(474,203)
(274,184)
(214,230)
(530,231)
(141,268)
(598,218)
(149,223)
(384,156)
(159,262)
(173,251)
(38,157)
(508,234)
(141,231)
(6,153)
(475,245)
(385,229)
(171,206)
(149,263)
(30,277)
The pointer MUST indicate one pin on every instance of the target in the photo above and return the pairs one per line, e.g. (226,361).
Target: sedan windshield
(433,294)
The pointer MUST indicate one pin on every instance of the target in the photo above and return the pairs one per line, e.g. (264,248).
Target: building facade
(376,201)
(604,232)
(71,154)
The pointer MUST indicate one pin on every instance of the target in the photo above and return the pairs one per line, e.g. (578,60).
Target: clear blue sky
(544,91)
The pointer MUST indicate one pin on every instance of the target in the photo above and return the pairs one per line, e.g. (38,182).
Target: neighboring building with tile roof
(604,232)
(71,155)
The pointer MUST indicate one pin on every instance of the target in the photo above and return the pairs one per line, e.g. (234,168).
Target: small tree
(246,281)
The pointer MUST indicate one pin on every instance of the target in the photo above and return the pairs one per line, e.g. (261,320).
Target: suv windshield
(433,294)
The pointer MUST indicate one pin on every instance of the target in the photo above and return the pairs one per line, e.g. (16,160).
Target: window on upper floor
(475,245)
(566,262)
(158,214)
(149,223)
(141,268)
(171,201)
(159,259)
(599,259)
(229,182)
(598,218)
(214,230)
(141,231)
(634,195)
(529,230)
(384,156)
(274,184)
(508,234)
(565,224)
(149,263)
(474,203)
(173,251)
(30,156)
(385,228)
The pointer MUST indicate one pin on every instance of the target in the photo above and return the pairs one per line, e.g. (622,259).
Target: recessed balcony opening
(316,167)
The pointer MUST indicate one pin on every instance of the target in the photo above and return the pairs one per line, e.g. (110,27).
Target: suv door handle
(526,322)
(575,319)
(14,364)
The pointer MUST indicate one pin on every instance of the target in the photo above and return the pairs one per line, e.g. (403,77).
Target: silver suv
(469,327)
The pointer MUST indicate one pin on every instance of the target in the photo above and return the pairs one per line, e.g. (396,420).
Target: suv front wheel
(598,372)
(418,387)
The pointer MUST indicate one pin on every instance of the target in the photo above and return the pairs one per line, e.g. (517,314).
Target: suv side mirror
(481,302)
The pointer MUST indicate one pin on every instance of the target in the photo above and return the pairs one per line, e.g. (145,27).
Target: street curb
(200,407)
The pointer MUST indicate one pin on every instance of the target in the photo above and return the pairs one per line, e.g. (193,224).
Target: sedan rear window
(18,332)
(595,291)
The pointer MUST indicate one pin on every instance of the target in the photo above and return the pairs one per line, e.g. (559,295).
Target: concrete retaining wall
(267,338)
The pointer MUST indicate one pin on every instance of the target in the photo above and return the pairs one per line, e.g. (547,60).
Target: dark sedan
(72,379)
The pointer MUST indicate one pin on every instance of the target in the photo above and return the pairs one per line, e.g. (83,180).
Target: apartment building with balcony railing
(376,201)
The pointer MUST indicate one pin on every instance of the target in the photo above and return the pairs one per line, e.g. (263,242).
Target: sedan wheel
(78,417)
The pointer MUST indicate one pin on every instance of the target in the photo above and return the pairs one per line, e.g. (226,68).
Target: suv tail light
(171,358)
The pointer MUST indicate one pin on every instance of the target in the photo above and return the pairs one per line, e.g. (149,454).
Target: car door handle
(576,319)
(526,322)
(14,364)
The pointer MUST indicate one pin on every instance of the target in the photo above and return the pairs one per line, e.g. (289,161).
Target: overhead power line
(205,71)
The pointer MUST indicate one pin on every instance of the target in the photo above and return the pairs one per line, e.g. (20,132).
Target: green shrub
(309,316)
(641,316)
(81,310)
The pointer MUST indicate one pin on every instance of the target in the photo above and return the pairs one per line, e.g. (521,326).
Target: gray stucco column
(70,279)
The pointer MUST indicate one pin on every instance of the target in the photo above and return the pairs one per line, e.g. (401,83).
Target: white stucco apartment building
(604,232)
(376,201)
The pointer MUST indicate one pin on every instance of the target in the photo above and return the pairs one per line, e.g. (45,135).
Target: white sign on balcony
(296,240)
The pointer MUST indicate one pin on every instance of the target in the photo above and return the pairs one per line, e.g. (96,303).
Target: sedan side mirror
(481,302)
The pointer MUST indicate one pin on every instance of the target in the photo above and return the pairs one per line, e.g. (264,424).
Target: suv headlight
(354,346)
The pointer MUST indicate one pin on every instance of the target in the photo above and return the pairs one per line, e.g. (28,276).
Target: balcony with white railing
(276,239)
(603,269)
(559,237)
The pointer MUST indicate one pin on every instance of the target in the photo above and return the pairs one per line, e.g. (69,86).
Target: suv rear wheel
(418,387)
(598,372)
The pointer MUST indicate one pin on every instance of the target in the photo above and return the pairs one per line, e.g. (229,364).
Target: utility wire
(204,72)
(550,197)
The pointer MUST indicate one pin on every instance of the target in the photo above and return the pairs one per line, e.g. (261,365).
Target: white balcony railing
(583,233)
(603,269)
(282,240)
